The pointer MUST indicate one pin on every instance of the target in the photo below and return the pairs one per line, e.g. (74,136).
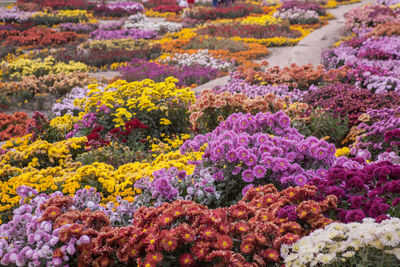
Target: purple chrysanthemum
(259,171)
(231,156)
(248,176)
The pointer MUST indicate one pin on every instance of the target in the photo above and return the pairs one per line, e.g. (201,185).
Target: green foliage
(323,124)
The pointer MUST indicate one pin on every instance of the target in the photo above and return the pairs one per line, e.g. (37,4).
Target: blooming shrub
(364,243)
(13,125)
(138,70)
(380,132)
(61,16)
(371,191)
(321,124)
(226,49)
(159,105)
(210,109)
(386,29)
(56,85)
(23,67)
(37,37)
(247,150)
(214,43)
(346,99)
(171,184)
(66,105)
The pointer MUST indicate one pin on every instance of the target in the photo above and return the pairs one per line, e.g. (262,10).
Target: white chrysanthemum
(348,254)
(292,257)
(388,237)
(325,258)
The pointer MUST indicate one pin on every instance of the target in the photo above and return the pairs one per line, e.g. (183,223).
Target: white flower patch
(202,58)
(340,242)
(140,21)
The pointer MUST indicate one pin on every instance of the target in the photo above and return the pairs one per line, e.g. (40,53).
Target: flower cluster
(202,57)
(374,62)
(60,16)
(169,185)
(355,243)
(139,69)
(78,27)
(294,76)
(22,67)
(14,15)
(118,9)
(210,108)
(140,21)
(30,87)
(380,132)
(66,105)
(298,16)
(363,191)
(13,125)
(246,150)
(346,99)
(150,102)
(37,37)
(369,15)
(237,85)
(100,53)
(122,34)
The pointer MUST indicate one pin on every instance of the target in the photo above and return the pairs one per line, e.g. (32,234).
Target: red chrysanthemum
(186,260)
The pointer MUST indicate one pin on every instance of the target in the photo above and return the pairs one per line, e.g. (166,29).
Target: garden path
(308,50)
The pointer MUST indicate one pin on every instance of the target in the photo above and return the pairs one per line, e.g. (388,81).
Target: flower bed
(23,67)
(138,70)
(229,12)
(37,37)
(61,16)
(100,53)
(122,34)
(13,125)
(249,31)
(121,9)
